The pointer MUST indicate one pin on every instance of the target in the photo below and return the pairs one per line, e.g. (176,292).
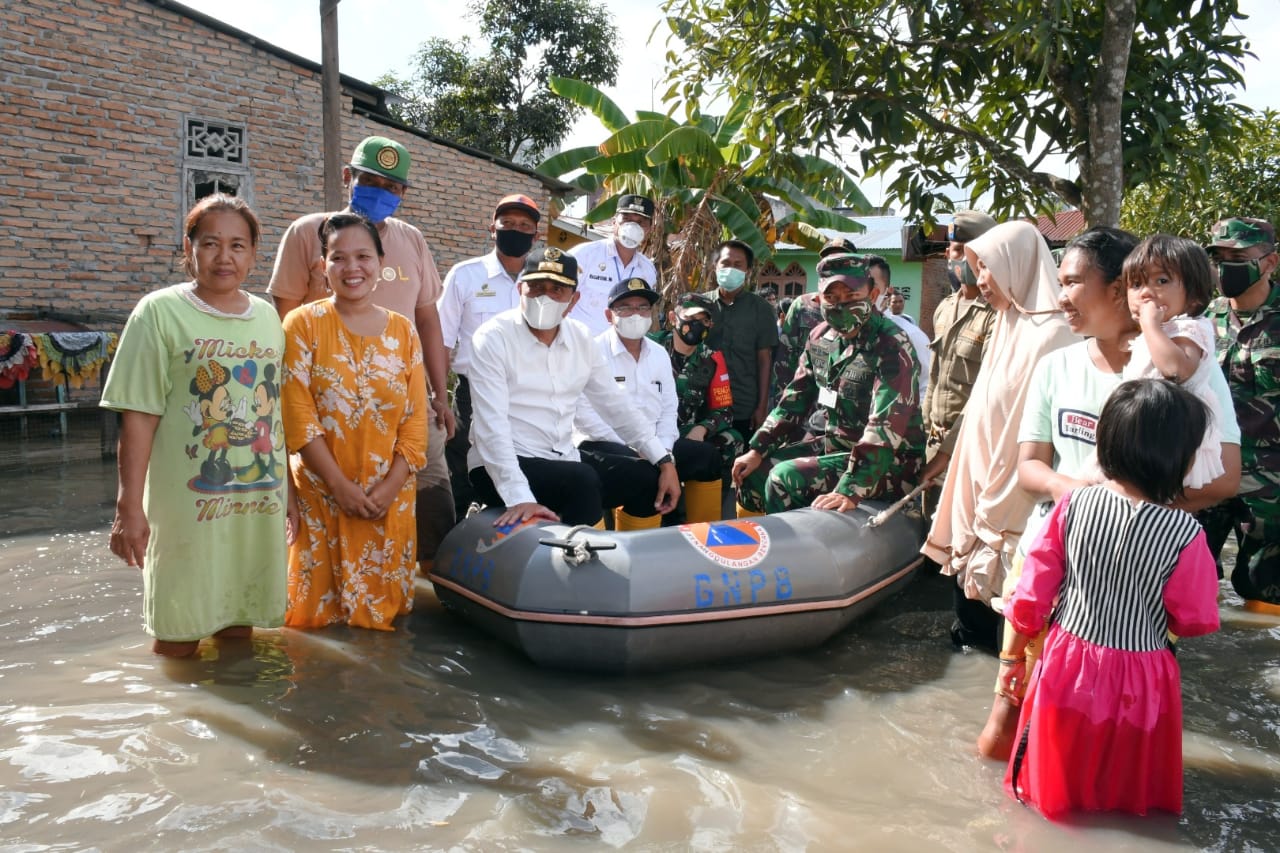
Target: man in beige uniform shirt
(376,179)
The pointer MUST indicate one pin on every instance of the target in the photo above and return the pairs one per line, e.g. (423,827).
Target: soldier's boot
(624,521)
(743,512)
(702,500)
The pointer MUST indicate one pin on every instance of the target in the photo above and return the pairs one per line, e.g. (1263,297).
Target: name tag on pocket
(827,397)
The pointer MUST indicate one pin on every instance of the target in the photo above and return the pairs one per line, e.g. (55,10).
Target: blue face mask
(730,279)
(373,203)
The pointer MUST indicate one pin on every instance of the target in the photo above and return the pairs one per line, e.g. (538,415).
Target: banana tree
(707,183)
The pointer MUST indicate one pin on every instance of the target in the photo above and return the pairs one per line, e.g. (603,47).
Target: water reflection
(438,737)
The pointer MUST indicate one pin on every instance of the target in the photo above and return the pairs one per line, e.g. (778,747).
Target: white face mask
(630,234)
(635,326)
(542,312)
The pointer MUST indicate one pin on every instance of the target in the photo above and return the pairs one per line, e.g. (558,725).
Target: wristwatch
(665,459)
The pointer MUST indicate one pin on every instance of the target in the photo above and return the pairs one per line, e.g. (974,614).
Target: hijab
(983,511)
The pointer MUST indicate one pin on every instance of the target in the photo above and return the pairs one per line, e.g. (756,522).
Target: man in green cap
(801,319)
(376,179)
(705,418)
(1247,320)
(961,325)
(858,371)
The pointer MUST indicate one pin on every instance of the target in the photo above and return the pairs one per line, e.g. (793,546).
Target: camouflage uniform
(802,318)
(873,442)
(1249,352)
(959,337)
(702,386)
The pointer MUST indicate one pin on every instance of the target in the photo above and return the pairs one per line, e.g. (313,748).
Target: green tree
(980,93)
(499,102)
(707,184)
(1244,181)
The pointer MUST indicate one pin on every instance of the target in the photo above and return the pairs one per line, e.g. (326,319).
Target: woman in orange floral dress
(355,407)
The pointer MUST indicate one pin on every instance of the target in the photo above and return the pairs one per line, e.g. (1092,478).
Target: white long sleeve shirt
(524,394)
(474,291)
(919,343)
(599,269)
(648,381)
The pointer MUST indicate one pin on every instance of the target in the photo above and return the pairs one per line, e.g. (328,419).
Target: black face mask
(692,332)
(1235,277)
(513,244)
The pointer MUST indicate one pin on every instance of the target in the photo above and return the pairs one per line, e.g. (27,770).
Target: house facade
(117,115)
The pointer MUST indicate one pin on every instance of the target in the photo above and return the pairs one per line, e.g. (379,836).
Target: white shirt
(524,394)
(474,291)
(648,381)
(599,269)
(920,343)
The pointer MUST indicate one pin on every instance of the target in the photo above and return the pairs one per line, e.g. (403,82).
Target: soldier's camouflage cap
(847,268)
(1242,233)
(691,303)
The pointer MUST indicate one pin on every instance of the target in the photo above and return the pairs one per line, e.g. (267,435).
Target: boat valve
(580,551)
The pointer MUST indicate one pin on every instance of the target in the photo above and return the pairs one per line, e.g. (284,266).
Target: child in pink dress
(1113,569)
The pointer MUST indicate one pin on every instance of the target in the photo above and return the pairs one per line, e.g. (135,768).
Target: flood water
(436,737)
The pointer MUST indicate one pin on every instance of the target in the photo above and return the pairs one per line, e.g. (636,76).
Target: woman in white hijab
(982,511)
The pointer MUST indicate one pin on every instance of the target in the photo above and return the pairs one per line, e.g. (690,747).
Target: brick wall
(94,96)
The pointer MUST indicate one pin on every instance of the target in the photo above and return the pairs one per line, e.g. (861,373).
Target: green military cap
(1242,233)
(848,268)
(691,303)
(381,156)
(969,225)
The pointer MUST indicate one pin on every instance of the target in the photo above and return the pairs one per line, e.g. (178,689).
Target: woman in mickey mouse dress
(204,523)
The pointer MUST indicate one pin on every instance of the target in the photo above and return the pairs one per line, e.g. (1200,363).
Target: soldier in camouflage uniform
(1247,320)
(702,379)
(858,370)
(801,319)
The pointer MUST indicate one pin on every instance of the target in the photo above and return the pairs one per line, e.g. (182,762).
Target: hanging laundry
(17,357)
(74,357)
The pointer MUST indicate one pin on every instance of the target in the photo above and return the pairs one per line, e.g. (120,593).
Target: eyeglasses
(539,286)
(628,310)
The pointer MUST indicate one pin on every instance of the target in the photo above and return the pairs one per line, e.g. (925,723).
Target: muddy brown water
(436,737)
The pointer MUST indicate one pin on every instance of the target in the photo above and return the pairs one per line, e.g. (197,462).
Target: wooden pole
(330,85)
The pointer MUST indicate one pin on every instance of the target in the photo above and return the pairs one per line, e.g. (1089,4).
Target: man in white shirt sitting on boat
(529,367)
(642,368)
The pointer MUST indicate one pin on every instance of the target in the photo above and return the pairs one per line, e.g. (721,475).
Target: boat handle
(578,552)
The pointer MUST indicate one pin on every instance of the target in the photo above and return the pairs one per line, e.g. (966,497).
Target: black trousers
(455,451)
(609,475)
(696,460)
(1256,575)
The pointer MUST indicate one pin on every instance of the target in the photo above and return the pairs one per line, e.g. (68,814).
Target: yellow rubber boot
(743,512)
(702,500)
(599,525)
(1253,605)
(623,521)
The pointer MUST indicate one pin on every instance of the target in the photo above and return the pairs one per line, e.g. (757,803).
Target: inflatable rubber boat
(588,599)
